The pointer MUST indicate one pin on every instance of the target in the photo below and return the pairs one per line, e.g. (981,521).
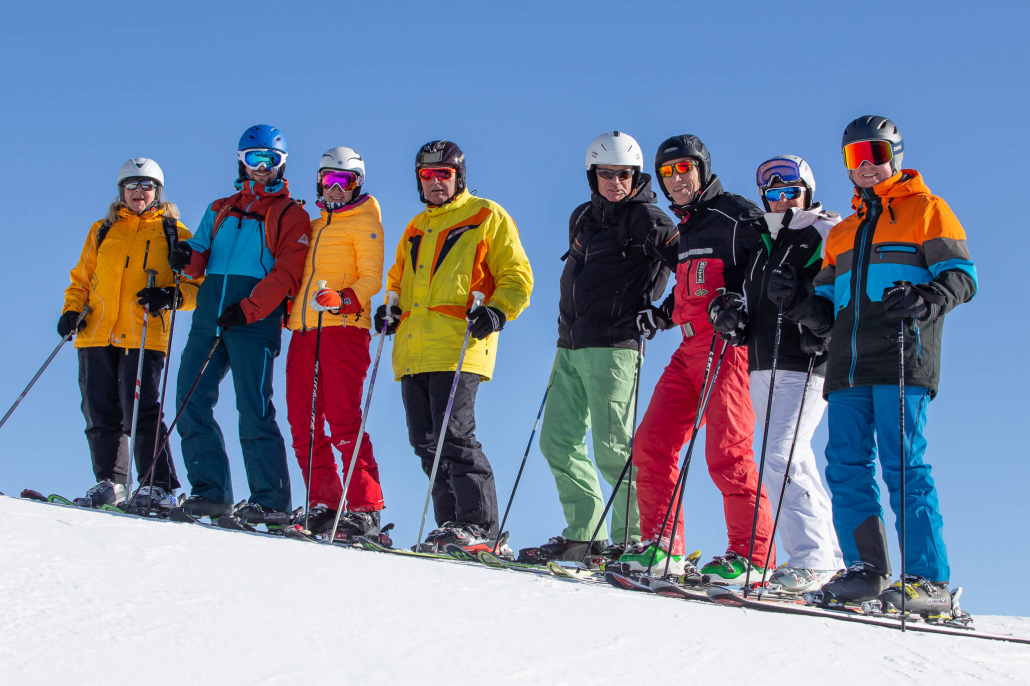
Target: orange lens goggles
(680,167)
(430,173)
(874,152)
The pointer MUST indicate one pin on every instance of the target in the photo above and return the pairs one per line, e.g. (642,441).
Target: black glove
(652,320)
(728,317)
(485,321)
(905,301)
(812,344)
(395,314)
(232,316)
(157,299)
(66,324)
(783,286)
(180,256)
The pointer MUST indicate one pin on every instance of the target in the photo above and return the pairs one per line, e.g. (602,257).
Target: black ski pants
(107,381)
(464,490)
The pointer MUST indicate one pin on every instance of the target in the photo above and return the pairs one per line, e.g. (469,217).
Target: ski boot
(799,580)
(471,537)
(319,518)
(253,514)
(354,524)
(196,507)
(103,493)
(730,570)
(560,549)
(637,558)
(930,600)
(858,583)
(154,500)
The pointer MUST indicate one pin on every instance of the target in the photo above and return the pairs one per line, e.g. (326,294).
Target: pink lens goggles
(346,180)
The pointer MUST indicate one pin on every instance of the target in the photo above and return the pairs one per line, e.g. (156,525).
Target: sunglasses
(145,184)
(261,158)
(620,174)
(666,170)
(874,152)
(440,173)
(346,180)
(788,192)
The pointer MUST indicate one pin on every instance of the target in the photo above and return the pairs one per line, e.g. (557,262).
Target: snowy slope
(91,598)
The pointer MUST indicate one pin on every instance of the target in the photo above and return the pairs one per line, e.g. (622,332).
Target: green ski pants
(591,390)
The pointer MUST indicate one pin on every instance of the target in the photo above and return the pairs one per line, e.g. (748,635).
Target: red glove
(343,302)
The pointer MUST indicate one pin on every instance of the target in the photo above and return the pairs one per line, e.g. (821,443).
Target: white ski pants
(806,520)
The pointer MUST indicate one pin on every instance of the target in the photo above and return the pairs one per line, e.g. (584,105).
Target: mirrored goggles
(788,192)
(620,174)
(430,173)
(787,171)
(261,158)
(145,184)
(346,180)
(683,167)
(874,152)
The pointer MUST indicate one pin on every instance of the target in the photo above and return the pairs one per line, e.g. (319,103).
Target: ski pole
(786,473)
(518,476)
(391,300)
(82,315)
(185,401)
(625,470)
(151,278)
(706,397)
(901,414)
(164,389)
(765,445)
(632,435)
(314,405)
(477,300)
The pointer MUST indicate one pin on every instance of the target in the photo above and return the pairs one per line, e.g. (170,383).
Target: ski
(670,589)
(380,548)
(725,596)
(575,573)
(29,494)
(497,562)
(627,583)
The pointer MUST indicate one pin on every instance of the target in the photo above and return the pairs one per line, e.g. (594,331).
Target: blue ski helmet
(263,136)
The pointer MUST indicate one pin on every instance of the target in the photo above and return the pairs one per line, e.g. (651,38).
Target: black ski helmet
(684,145)
(440,154)
(871,128)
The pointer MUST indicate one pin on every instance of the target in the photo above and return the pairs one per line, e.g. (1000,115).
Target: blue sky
(523,91)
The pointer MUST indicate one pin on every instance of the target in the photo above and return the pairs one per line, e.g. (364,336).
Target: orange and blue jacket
(110,273)
(446,253)
(899,232)
(346,252)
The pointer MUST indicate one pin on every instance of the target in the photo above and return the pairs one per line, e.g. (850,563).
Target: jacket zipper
(871,220)
(307,286)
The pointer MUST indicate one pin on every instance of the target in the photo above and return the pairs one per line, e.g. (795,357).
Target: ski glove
(180,256)
(728,317)
(232,316)
(905,301)
(338,302)
(812,344)
(392,321)
(485,321)
(783,286)
(652,320)
(157,299)
(66,324)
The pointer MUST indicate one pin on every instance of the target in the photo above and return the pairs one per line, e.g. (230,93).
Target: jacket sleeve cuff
(250,310)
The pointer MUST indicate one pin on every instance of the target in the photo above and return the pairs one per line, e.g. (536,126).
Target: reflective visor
(346,180)
(256,157)
(429,173)
(874,152)
(787,170)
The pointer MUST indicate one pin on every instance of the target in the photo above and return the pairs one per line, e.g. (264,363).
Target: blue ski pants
(864,422)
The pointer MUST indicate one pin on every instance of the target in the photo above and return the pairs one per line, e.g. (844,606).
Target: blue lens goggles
(261,158)
(788,192)
(786,170)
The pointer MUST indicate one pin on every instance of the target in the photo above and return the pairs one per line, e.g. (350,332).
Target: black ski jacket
(799,243)
(613,269)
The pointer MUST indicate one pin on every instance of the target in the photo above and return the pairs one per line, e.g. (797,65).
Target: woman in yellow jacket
(346,252)
(111,279)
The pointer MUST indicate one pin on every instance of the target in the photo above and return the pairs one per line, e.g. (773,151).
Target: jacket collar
(152,213)
(252,191)
(606,211)
(707,195)
(334,208)
(906,182)
(459,201)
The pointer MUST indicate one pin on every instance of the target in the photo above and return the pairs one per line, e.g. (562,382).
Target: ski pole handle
(477,300)
(391,301)
(321,284)
(86,309)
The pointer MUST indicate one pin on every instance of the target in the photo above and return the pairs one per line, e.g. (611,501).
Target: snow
(91,598)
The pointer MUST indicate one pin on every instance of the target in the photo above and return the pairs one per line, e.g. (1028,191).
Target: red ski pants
(667,427)
(343,363)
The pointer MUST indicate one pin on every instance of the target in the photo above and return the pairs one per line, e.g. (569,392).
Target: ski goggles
(786,170)
(145,184)
(439,173)
(874,152)
(788,192)
(620,174)
(258,158)
(346,180)
(683,167)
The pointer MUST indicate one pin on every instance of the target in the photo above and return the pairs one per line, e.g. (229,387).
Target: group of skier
(784,313)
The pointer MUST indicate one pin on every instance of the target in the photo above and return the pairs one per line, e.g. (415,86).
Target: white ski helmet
(788,169)
(614,148)
(343,159)
(140,168)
